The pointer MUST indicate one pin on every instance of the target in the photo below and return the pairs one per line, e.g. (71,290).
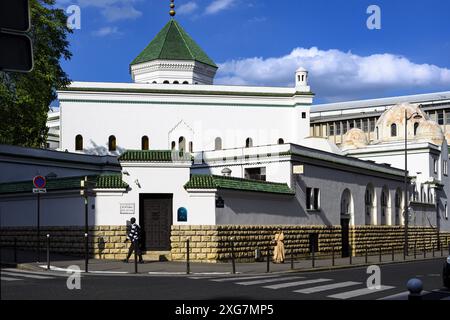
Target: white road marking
(251,283)
(26,275)
(244,278)
(328,287)
(34,272)
(398,296)
(9,279)
(295,284)
(359,293)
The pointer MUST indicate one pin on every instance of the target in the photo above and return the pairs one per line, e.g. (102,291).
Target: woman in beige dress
(278,252)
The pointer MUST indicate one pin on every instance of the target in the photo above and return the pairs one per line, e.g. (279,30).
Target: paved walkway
(27,260)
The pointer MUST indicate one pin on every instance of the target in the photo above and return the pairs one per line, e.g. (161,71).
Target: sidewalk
(27,260)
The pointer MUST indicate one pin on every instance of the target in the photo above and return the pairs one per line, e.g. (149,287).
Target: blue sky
(264,42)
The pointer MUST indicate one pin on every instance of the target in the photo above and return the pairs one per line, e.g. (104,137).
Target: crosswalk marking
(398,296)
(295,284)
(243,278)
(251,283)
(8,279)
(328,287)
(25,275)
(359,292)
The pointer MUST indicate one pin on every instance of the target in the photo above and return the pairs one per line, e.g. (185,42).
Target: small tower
(301,79)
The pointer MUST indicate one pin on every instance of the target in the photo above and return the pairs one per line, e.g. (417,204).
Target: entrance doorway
(345,227)
(156,221)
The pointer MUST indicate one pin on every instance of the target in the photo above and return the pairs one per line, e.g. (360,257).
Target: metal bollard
(367,255)
(268,259)
(381,255)
(48,251)
(313,262)
(188,267)
(448,249)
(442,250)
(233,263)
(292,260)
(333,262)
(404,253)
(350,255)
(15,250)
(415,250)
(393,253)
(86,253)
(424,250)
(135,244)
(432,248)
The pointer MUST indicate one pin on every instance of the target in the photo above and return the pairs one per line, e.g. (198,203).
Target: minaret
(173,57)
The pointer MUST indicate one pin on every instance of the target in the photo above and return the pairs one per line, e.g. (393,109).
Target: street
(345,284)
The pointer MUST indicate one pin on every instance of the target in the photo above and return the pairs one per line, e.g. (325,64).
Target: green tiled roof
(173,43)
(220,182)
(153,156)
(102,182)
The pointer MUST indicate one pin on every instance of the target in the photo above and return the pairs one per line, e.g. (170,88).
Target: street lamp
(416,116)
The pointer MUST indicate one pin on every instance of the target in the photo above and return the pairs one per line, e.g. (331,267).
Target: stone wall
(105,242)
(212,243)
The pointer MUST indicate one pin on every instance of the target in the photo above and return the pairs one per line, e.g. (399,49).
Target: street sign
(39,182)
(16,54)
(35,190)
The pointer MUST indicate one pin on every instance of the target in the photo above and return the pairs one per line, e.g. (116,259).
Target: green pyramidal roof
(173,43)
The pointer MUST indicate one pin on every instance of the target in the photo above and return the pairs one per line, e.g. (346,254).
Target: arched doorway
(370,205)
(346,217)
(398,207)
(385,207)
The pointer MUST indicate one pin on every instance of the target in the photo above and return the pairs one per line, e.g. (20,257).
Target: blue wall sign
(182,215)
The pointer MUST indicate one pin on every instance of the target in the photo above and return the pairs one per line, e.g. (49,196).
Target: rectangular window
(366,125)
(338,128)
(303,115)
(440,116)
(351,124)
(372,125)
(312,199)
(433,116)
(446,212)
(255,174)
(358,124)
(445,169)
(313,242)
(331,130)
(447,116)
(435,166)
(344,127)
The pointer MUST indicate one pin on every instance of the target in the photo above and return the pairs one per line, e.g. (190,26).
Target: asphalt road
(347,284)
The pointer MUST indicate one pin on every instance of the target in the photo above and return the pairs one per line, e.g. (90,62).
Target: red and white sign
(39,183)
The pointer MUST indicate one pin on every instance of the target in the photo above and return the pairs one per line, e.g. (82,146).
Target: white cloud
(219,5)
(187,8)
(112,10)
(106,31)
(337,75)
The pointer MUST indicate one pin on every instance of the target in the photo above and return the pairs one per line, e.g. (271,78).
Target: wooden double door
(156,221)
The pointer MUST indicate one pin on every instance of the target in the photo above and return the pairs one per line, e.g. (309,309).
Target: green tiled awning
(173,43)
(70,183)
(154,156)
(199,182)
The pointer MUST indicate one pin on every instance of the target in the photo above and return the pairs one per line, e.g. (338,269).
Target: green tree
(25,98)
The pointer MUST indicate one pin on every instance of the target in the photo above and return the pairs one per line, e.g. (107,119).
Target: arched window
(176,82)
(145,143)
(385,206)
(186,82)
(191,147)
(166,82)
(79,143)
(393,130)
(280,141)
(218,144)
(370,205)
(182,144)
(154,82)
(112,143)
(249,143)
(173,145)
(398,207)
(416,127)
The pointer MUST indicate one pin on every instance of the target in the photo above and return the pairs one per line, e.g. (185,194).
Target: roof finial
(172,8)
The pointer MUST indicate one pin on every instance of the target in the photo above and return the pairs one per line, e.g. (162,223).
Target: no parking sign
(39,183)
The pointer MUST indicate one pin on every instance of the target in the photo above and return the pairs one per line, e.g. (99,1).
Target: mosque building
(190,159)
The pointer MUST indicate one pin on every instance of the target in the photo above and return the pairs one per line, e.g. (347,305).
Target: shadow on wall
(102,150)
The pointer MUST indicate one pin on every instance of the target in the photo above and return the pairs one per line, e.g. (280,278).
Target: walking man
(134,236)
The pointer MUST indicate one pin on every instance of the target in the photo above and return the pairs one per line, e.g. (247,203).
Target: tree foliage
(25,98)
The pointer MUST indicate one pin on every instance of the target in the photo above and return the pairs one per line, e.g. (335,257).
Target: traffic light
(16,49)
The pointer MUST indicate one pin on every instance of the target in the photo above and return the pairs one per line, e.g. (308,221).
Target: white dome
(354,139)
(301,69)
(393,121)
(321,144)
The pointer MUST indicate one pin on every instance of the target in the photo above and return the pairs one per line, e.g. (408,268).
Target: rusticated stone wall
(212,243)
(105,242)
